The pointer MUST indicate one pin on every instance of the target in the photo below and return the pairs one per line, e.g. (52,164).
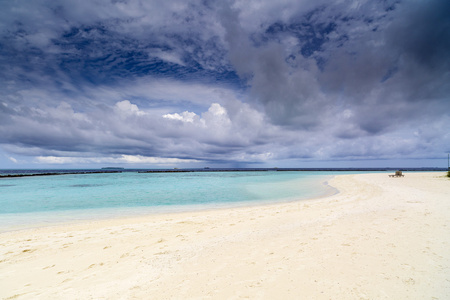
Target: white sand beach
(378,238)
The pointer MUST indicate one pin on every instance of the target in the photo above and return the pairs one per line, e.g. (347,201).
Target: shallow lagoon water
(45,200)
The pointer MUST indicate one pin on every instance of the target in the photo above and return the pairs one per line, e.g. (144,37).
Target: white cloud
(169,56)
(126,107)
(217,110)
(61,160)
(215,117)
(259,157)
(139,159)
(122,159)
(186,116)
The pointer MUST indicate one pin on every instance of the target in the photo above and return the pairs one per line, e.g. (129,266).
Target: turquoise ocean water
(46,200)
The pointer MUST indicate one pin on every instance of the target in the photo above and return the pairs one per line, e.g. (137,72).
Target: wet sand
(378,238)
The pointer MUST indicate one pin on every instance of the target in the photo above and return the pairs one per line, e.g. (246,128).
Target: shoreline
(377,238)
(72,217)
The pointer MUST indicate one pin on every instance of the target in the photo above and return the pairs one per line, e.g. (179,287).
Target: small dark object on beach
(397,174)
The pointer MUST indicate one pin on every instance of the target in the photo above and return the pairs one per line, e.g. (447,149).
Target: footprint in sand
(93,265)
(409,281)
(28,250)
(48,267)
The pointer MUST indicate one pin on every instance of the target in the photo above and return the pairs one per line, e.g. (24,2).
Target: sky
(243,83)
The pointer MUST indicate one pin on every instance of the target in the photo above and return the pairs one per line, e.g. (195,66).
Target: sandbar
(377,238)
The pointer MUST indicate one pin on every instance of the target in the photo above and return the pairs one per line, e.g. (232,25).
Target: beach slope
(378,238)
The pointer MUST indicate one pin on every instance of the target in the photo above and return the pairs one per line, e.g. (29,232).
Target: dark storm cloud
(104,48)
(235,81)
(372,57)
